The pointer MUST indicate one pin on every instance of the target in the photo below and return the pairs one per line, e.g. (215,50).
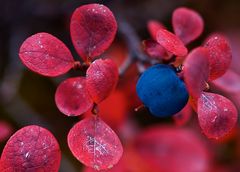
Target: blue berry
(162,91)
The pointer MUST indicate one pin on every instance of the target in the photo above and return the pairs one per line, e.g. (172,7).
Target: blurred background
(28,98)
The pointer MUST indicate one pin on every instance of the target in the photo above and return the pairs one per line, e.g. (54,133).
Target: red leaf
(182,117)
(101,79)
(196,66)
(45,54)
(220,55)
(169,149)
(187,24)
(216,114)
(228,83)
(6,130)
(234,40)
(95,144)
(155,50)
(194,103)
(93,28)
(171,43)
(153,27)
(31,148)
(72,98)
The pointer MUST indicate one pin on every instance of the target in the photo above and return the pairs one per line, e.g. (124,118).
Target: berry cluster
(165,93)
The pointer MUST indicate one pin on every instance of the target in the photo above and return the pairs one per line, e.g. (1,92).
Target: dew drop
(27,155)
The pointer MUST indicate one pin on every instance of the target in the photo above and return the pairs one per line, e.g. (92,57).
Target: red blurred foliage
(5,130)
(127,82)
(166,148)
(114,109)
(118,52)
(228,83)
(184,116)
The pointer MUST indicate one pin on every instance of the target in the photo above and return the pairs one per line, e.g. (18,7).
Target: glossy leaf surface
(31,148)
(187,24)
(93,28)
(216,114)
(95,144)
(171,42)
(220,55)
(45,54)
(72,97)
(196,71)
(101,79)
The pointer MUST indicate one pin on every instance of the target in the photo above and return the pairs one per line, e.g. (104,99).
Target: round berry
(160,89)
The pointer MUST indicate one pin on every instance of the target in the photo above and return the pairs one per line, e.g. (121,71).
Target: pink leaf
(45,54)
(182,117)
(153,27)
(228,83)
(101,79)
(187,24)
(220,55)
(95,144)
(216,114)
(6,130)
(31,148)
(72,97)
(196,71)
(171,42)
(93,28)
(155,50)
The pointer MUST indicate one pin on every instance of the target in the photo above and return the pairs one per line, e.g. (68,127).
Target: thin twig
(125,65)
(134,47)
(132,40)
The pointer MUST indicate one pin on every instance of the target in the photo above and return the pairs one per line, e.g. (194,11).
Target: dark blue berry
(162,91)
